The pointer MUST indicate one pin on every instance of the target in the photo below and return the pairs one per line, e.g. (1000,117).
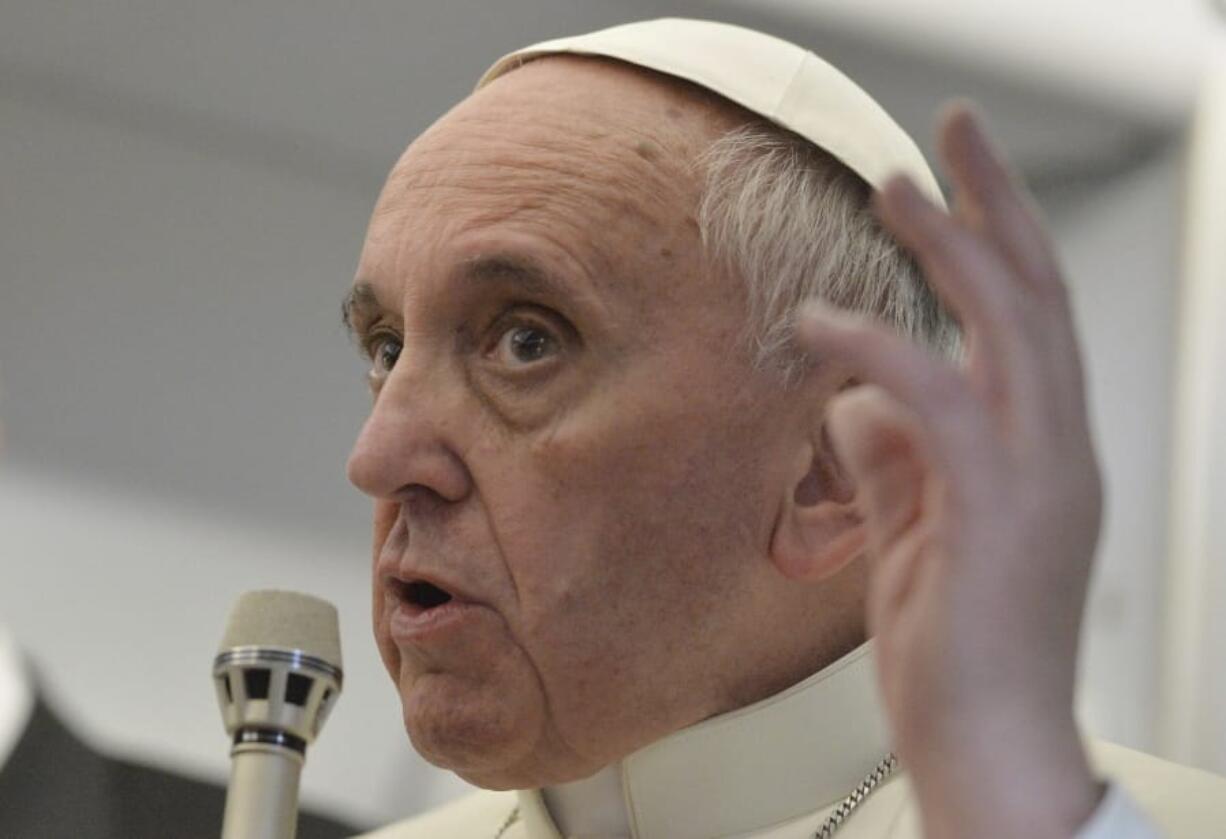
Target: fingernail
(978,135)
(900,187)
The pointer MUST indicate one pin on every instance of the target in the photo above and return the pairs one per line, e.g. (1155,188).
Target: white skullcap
(786,84)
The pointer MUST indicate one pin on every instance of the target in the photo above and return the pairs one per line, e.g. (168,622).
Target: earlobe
(819,530)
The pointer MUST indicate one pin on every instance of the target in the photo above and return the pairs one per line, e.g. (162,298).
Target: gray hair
(794,223)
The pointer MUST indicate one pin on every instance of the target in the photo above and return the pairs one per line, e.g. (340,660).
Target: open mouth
(424,612)
(422,595)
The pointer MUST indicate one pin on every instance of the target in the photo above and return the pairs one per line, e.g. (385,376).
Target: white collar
(770,762)
(16,696)
(591,807)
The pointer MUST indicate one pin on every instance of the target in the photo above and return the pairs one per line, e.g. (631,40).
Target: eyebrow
(522,272)
(361,303)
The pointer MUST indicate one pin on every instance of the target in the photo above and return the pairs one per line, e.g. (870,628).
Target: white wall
(178,400)
(1192,722)
(1119,240)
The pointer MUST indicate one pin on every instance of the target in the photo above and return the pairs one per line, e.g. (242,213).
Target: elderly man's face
(575,468)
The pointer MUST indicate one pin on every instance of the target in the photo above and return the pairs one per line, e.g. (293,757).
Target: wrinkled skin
(586,459)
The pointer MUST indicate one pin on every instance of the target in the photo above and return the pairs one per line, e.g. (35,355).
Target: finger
(895,579)
(994,200)
(959,432)
(977,285)
(877,442)
(881,446)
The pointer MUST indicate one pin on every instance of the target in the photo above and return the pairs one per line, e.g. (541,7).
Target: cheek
(625,558)
(385,513)
(384,518)
(628,530)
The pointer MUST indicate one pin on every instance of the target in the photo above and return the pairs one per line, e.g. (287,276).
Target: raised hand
(981,498)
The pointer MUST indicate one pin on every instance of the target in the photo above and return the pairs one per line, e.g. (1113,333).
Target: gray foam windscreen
(285,619)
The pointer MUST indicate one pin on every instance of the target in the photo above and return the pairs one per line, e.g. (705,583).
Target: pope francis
(686,385)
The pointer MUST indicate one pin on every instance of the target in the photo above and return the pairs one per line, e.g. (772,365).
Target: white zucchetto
(776,79)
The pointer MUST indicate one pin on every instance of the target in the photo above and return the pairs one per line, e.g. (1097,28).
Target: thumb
(878,442)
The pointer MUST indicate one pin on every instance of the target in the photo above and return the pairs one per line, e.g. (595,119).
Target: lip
(410,624)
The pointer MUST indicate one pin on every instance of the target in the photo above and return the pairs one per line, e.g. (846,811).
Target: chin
(475,731)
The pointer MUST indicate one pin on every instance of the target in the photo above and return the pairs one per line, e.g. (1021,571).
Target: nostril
(420,498)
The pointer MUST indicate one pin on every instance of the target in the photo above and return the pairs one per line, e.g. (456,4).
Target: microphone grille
(285,619)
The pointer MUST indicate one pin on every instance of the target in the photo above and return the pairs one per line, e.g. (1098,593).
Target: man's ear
(818,531)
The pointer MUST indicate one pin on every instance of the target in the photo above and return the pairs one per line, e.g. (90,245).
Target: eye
(524,344)
(383,349)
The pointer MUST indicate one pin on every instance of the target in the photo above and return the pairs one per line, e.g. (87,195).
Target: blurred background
(184,188)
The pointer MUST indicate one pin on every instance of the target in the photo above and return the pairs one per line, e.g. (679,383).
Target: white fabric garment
(16,696)
(594,806)
(776,79)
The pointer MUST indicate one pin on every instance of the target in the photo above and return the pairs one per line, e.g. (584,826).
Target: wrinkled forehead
(578,103)
(594,139)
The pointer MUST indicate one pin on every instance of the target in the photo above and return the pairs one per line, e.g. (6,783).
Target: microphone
(277,675)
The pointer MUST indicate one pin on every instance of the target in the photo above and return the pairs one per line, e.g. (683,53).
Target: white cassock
(780,768)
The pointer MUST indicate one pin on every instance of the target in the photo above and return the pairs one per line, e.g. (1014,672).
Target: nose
(403,448)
